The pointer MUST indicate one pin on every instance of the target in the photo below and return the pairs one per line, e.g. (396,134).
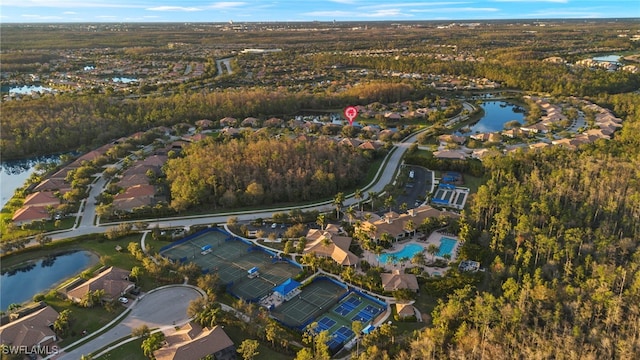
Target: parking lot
(415,189)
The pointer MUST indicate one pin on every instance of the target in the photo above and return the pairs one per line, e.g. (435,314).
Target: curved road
(386,174)
(162,308)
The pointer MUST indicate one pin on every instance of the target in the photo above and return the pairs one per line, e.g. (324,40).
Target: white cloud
(381,13)
(460,9)
(70,13)
(412,4)
(226,5)
(40,17)
(173,8)
(71,4)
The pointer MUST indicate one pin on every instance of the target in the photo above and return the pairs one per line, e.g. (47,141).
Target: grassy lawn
(89,319)
(129,351)
(265,352)
(425,303)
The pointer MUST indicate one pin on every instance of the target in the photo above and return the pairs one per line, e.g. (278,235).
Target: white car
(123,300)
(274,225)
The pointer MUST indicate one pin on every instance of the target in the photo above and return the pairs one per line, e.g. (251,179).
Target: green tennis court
(214,251)
(315,299)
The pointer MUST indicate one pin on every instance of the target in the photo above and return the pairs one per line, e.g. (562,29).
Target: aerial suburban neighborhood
(319,190)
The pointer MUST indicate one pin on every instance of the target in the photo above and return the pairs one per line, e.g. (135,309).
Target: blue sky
(307,10)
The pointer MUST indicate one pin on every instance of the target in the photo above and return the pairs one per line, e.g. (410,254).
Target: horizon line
(230,22)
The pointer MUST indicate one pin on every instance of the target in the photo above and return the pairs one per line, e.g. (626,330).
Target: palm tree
(357,327)
(410,226)
(338,201)
(404,207)
(358,196)
(433,249)
(372,195)
(351,212)
(388,202)
(418,258)
(321,221)
(152,343)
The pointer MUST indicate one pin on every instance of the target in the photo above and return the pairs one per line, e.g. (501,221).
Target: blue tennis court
(342,310)
(343,334)
(353,302)
(362,316)
(371,310)
(325,324)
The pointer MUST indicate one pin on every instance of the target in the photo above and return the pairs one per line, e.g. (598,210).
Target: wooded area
(265,171)
(563,229)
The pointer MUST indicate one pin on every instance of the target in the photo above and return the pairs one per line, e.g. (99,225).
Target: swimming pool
(408,251)
(446,246)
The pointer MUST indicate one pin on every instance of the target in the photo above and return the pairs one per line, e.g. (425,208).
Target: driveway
(157,309)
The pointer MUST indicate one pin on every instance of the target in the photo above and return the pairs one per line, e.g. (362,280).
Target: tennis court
(231,258)
(314,300)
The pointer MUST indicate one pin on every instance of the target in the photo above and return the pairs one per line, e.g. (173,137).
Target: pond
(21,283)
(496,114)
(609,58)
(125,80)
(26,89)
(13,174)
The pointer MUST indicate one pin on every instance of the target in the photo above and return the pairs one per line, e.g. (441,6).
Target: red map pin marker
(351,112)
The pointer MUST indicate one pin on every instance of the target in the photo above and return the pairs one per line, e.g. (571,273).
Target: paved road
(158,309)
(386,176)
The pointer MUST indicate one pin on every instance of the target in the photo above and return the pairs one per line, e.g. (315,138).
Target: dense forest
(264,171)
(563,232)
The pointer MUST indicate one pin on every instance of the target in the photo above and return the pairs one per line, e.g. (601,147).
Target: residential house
(133,180)
(480,153)
(41,198)
(405,310)
(114,281)
(194,342)
(29,214)
(228,121)
(328,243)
(53,184)
(140,195)
(273,122)
(250,121)
(370,145)
(32,330)
(538,145)
(398,281)
(448,138)
(204,123)
(350,142)
(449,154)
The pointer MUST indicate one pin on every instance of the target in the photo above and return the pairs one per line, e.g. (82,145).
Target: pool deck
(434,238)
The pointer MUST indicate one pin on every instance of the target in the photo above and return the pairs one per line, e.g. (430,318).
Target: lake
(123,80)
(496,114)
(608,58)
(23,282)
(26,89)
(13,174)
